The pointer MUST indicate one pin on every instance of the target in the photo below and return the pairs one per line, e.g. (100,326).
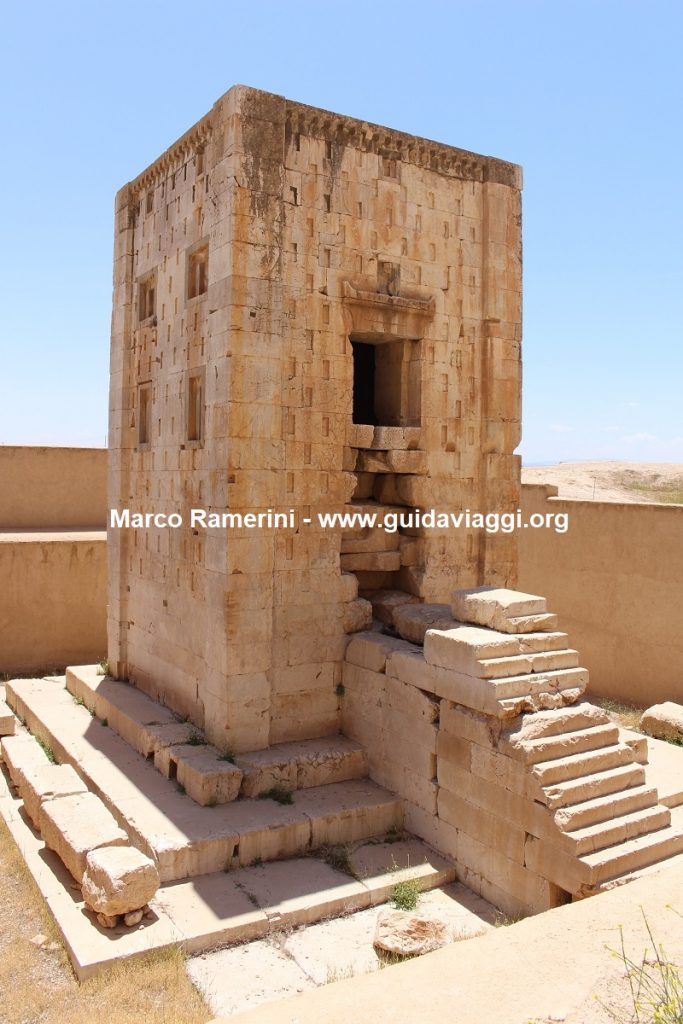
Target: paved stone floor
(246,976)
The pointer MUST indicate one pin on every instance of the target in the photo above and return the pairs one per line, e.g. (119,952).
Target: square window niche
(387,381)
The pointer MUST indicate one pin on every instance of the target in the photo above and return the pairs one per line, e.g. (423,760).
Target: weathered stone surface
(7,720)
(283,421)
(408,934)
(45,783)
(20,752)
(356,615)
(663,721)
(72,826)
(118,880)
(413,620)
(205,774)
(490,606)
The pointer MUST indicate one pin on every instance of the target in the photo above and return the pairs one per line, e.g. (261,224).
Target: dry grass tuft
(38,986)
(628,715)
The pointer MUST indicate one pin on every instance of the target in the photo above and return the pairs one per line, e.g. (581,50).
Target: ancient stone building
(310,313)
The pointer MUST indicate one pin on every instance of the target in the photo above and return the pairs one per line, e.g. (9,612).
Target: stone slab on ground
(409,933)
(324,952)
(546,968)
(665,770)
(237,979)
(380,866)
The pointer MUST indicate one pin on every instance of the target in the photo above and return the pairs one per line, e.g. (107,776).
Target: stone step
(154,731)
(633,854)
(486,605)
(499,668)
(218,909)
(186,839)
(549,748)
(578,766)
(538,682)
(605,808)
(582,715)
(618,829)
(302,765)
(527,623)
(142,721)
(574,791)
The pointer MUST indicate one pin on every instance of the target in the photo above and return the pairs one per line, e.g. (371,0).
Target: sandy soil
(650,482)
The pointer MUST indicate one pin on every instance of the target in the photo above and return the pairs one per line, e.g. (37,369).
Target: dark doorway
(364,383)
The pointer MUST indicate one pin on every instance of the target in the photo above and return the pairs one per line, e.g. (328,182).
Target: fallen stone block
(119,880)
(483,605)
(370,650)
(663,721)
(72,826)
(407,934)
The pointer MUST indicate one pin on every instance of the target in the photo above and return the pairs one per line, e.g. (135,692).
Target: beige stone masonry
(488,606)
(21,753)
(412,621)
(537,795)
(206,777)
(72,826)
(36,785)
(7,720)
(302,765)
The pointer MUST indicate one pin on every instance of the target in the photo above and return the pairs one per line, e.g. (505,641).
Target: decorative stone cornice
(387,142)
(174,157)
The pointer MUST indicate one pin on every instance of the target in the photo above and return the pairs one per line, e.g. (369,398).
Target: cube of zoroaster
(72,826)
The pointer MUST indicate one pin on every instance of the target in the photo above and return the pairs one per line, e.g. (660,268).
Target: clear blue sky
(587,96)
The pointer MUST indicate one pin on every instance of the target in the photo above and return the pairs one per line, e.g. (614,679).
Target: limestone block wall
(480,727)
(53,599)
(52,488)
(616,579)
(442,759)
(248,261)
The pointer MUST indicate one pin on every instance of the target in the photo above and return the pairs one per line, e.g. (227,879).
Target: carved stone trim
(391,303)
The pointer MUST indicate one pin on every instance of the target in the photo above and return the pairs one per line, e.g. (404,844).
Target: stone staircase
(179,750)
(534,792)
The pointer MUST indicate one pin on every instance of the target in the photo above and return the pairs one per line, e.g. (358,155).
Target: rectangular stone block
(462,648)
(46,783)
(484,605)
(72,826)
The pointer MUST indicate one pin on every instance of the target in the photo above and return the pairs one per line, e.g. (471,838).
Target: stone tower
(310,312)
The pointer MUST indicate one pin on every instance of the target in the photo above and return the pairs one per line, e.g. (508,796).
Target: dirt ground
(612,481)
(37,985)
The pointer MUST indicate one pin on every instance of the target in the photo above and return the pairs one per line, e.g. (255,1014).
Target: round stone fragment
(118,880)
(132,919)
(406,934)
(107,921)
